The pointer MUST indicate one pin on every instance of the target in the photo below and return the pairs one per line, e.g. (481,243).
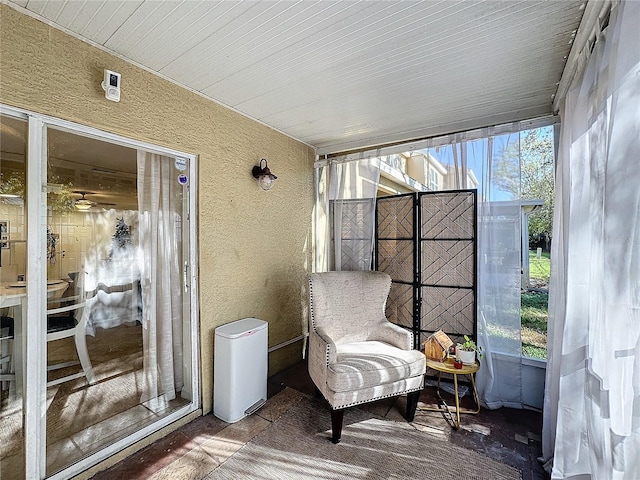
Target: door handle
(184,274)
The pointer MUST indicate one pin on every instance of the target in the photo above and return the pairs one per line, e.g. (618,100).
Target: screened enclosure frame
(427,243)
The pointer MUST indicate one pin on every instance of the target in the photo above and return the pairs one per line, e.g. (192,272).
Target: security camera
(111,85)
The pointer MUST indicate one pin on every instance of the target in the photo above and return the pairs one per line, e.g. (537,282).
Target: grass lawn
(534,315)
(534,309)
(539,268)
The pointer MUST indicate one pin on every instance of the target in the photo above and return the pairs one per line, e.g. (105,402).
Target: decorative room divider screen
(426,242)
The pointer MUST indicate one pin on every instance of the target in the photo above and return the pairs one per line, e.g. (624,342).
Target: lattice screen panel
(353,222)
(395,217)
(449,309)
(400,305)
(395,255)
(352,252)
(433,270)
(448,263)
(448,215)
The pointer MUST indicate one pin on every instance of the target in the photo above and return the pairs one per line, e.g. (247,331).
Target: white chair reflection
(68,318)
(6,352)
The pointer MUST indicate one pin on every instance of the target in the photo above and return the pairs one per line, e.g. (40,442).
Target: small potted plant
(466,351)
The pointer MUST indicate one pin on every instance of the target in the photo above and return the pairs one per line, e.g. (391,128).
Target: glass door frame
(34,331)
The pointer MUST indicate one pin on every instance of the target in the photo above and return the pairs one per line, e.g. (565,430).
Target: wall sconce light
(82,203)
(264,176)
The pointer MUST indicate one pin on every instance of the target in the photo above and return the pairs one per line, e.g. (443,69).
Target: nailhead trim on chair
(313,323)
(374,399)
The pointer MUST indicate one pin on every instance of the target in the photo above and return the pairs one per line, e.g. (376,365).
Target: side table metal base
(447,411)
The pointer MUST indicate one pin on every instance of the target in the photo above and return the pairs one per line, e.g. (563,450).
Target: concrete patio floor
(199,447)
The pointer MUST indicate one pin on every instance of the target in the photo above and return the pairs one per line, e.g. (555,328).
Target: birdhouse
(436,347)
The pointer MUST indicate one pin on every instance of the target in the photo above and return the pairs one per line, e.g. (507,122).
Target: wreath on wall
(52,242)
(121,243)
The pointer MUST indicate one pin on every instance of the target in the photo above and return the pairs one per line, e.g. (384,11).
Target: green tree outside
(536,176)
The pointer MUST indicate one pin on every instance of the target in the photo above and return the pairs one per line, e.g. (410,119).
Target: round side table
(448,367)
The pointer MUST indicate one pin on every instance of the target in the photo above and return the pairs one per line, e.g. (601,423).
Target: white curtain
(499,281)
(347,199)
(490,160)
(592,395)
(499,272)
(160,224)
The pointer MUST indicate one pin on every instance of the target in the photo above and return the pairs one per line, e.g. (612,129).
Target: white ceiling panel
(51,9)
(102,22)
(140,25)
(342,74)
(75,14)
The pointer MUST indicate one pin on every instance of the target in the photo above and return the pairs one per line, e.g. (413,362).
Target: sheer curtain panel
(592,396)
(160,206)
(345,206)
(490,160)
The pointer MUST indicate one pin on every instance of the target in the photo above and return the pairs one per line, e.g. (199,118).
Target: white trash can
(240,369)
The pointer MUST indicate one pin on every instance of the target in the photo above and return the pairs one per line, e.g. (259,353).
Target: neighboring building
(421,171)
(469,179)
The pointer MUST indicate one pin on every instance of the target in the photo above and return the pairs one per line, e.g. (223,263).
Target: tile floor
(194,450)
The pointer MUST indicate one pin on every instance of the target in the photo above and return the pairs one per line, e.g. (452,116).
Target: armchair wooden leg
(336,424)
(412,404)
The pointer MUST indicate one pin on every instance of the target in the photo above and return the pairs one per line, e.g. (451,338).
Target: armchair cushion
(367,364)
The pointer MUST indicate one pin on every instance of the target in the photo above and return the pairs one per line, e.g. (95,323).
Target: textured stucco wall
(254,246)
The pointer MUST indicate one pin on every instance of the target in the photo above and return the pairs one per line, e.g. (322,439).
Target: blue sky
(478,163)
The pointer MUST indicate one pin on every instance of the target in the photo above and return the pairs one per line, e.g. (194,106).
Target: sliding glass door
(116,330)
(13,292)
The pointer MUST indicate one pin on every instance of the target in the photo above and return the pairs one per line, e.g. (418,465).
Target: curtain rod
(440,140)
(594,20)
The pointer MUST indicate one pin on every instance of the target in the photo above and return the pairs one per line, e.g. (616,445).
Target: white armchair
(355,354)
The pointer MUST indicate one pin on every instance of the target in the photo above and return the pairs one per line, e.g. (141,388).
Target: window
(433,179)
